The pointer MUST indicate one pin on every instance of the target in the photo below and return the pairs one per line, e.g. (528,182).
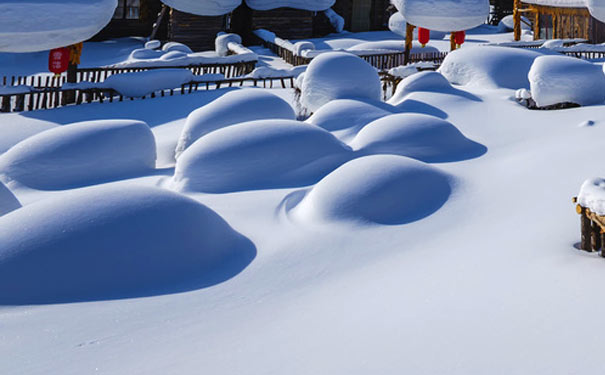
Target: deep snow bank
(258,155)
(232,108)
(562,79)
(350,114)
(80,154)
(424,81)
(338,75)
(8,202)
(444,15)
(204,7)
(383,189)
(114,242)
(488,66)
(138,84)
(29,26)
(418,136)
(592,195)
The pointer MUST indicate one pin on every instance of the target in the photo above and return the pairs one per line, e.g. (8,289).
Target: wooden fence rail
(99,74)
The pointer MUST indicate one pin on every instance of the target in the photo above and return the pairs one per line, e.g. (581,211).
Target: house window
(128,10)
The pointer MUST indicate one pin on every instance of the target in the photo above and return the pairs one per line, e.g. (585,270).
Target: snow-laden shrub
(115,241)
(418,136)
(562,79)
(221,43)
(444,15)
(487,66)
(81,154)
(383,189)
(232,108)
(8,202)
(260,154)
(176,46)
(338,75)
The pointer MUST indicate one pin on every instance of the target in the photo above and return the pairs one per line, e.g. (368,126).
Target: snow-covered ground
(473,271)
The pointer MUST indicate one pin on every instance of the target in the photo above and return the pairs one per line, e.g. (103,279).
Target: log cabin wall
(197,32)
(597,31)
(123,27)
(287,23)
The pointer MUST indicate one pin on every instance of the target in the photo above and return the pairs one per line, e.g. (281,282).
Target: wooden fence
(96,75)
(586,55)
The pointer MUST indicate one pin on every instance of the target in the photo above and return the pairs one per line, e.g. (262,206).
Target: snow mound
(338,75)
(176,46)
(312,5)
(592,195)
(382,189)
(138,84)
(418,136)
(508,23)
(259,154)
(153,44)
(562,79)
(232,108)
(204,7)
(115,241)
(345,117)
(444,15)
(490,67)
(221,43)
(397,24)
(424,81)
(81,154)
(30,26)
(8,202)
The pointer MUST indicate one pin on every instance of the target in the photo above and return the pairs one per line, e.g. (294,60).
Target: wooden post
(409,40)
(595,238)
(517,21)
(536,25)
(585,228)
(69,96)
(452,41)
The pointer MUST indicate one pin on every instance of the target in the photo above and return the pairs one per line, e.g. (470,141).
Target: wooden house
(559,19)
(198,31)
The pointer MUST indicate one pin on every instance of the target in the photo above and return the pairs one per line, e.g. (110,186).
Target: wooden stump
(586,229)
(595,237)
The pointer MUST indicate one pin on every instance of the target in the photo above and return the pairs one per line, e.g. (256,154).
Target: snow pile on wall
(490,67)
(222,41)
(444,15)
(300,47)
(338,75)
(345,117)
(268,72)
(176,46)
(115,241)
(204,7)
(153,44)
(384,189)
(232,108)
(423,81)
(27,26)
(596,9)
(259,154)
(562,79)
(418,136)
(337,22)
(8,202)
(397,24)
(137,84)
(592,195)
(81,154)
(312,5)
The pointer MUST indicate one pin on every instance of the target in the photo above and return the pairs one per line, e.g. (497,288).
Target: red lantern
(424,35)
(58,60)
(459,37)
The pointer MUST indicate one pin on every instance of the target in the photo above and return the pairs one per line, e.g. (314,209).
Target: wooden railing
(586,55)
(99,74)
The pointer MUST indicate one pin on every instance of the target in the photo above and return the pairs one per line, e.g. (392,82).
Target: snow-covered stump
(590,205)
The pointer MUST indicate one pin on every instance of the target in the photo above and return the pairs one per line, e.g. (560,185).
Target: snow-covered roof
(312,5)
(558,3)
(204,7)
(39,25)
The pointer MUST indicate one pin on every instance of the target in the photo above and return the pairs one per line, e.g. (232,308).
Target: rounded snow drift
(31,26)
(562,79)
(422,81)
(381,189)
(176,46)
(418,136)
(8,202)
(115,242)
(80,154)
(260,154)
(490,67)
(338,75)
(232,108)
(444,15)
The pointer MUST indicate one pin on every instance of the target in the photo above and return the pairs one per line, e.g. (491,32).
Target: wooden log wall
(197,32)
(288,23)
(118,28)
